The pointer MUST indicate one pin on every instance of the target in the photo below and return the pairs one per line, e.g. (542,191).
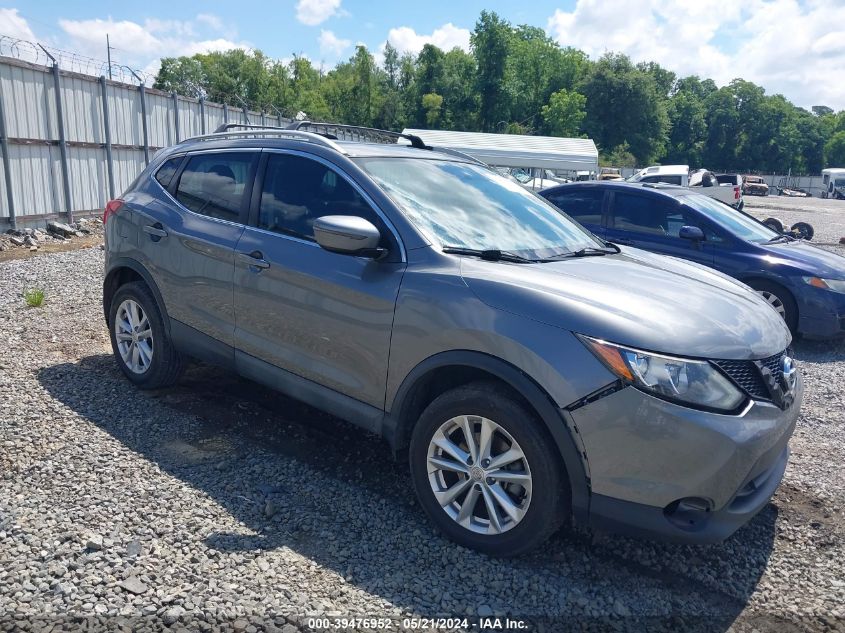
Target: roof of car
(655,187)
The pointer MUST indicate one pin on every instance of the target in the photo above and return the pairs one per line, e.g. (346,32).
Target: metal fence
(69,142)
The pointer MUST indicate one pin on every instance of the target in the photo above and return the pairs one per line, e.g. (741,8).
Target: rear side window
(299,190)
(642,214)
(583,204)
(166,172)
(214,184)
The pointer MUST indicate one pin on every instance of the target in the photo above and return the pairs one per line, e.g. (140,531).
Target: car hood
(639,299)
(810,259)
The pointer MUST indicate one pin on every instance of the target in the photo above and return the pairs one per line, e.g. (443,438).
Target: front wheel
(485,471)
(780,300)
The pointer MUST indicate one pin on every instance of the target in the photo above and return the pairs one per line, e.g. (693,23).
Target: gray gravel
(825,215)
(217,503)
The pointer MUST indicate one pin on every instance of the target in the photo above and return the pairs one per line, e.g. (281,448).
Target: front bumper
(821,312)
(667,471)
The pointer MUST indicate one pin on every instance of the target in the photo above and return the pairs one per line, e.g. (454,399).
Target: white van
(833,183)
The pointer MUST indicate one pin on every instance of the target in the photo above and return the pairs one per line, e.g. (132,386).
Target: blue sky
(795,47)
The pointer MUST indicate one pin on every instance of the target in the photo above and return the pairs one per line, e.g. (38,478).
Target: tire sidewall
(549,493)
(138,293)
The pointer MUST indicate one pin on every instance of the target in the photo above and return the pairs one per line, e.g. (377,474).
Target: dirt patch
(89,241)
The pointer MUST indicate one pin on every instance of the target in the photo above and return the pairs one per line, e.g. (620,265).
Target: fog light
(689,513)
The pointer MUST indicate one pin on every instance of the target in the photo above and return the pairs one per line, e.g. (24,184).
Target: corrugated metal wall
(29,128)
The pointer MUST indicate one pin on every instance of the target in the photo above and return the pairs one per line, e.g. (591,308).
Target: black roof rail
(225,127)
(353,130)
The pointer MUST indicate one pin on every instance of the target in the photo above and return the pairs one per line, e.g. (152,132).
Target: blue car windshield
(735,222)
(468,206)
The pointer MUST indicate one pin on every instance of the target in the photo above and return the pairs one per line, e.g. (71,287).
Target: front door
(322,316)
(653,223)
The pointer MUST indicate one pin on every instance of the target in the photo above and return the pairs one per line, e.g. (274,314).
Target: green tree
(431,104)
(623,106)
(183,75)
(834,150)
(490,42)
(564,113)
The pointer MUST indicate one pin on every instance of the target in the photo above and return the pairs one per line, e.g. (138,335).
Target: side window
(583,205)
(299,190)
(213,184)
(644,214)
(165,173)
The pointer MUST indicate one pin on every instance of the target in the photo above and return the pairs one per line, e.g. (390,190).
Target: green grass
(34,297)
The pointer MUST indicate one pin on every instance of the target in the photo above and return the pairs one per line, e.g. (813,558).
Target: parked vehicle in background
(700,180)
(804,284)
(610,173)
(536,179)
(833,183)
(536,374)
(754,186)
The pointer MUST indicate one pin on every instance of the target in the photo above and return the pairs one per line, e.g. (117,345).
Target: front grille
(746,374)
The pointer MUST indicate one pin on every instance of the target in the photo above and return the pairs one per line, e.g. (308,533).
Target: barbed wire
(37,53)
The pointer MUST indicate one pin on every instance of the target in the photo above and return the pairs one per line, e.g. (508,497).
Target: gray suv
(531,373)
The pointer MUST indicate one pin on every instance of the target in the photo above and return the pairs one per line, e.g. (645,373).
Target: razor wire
(42,54)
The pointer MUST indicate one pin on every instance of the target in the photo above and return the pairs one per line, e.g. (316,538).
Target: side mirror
(691,233)
(348,235)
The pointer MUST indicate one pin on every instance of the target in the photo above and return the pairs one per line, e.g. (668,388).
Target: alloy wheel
(134,336)
(479,474)
(774,301)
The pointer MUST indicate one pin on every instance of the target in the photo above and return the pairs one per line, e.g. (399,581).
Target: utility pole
(108,54)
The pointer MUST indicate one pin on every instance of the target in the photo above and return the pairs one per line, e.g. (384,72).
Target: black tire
(549,504)
(790,309)
(774,224)
(166,364)
(803,230)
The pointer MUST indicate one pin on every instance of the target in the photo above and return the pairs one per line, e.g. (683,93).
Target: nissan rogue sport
(531,373)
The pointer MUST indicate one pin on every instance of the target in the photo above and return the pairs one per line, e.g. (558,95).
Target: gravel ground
(217,504)
(826,216)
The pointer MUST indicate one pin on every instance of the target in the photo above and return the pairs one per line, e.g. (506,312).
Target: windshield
(737,222)
(839,182)
(469,206)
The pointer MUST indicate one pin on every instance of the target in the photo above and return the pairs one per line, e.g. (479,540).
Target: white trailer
(833,183)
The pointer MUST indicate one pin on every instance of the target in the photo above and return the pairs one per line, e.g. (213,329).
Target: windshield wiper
(589,251)
(490,255)
(780,238)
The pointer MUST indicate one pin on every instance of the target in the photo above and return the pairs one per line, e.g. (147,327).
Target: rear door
(189,241)
(584,204)
(323,316)
(653,223)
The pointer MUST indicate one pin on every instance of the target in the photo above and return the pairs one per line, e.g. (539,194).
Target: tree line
(517,80)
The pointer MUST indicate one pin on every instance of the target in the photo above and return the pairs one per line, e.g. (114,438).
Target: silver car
(530,373)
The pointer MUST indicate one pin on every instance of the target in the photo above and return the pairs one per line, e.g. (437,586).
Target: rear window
(585,205)
(166,172)
(669,180)
(726,179)
(214,184)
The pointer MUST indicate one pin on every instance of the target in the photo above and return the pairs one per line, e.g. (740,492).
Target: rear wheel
(140,343)
(780,299)
(485,472)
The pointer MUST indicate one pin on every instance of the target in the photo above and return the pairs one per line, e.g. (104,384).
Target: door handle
(155,230)
(254,259)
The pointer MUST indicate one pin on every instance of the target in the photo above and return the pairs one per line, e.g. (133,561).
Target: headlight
(694,382)
(837,285)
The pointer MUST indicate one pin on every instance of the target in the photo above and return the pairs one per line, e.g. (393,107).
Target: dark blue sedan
(805,284)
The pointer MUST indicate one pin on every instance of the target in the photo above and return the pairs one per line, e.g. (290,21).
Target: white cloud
(211,21)
(784,45)
(407,40)
(314,12)
(331,44)
(14,25)
(143,45)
